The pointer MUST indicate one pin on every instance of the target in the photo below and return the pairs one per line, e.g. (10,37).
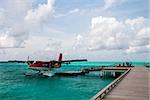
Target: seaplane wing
(76,60)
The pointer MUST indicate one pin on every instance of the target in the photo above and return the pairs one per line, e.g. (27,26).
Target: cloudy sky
(99,30)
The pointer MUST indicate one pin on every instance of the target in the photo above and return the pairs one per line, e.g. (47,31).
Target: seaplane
(45,68)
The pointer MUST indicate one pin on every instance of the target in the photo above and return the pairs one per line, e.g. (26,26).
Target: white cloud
(142,37)
(141,43)
(18,18)
(53,45)
(74,11)
(131,35)
(41,14)
(13,32)
(110,3)
(138,49)
(2,18)
(6,41)
(78,43)
(47,49)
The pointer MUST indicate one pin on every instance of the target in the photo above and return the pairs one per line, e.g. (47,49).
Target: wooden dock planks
(135,86)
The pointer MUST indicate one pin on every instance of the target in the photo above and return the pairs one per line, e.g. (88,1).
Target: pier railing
(100,95)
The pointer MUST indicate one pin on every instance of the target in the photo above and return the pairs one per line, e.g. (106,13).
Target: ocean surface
(14,85)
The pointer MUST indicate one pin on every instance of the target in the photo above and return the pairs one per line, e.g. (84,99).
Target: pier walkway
(104,68)
(134,86)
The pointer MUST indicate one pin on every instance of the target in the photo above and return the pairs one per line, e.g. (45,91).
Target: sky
(98,30)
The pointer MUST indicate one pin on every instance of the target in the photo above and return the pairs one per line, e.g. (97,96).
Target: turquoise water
(15,86)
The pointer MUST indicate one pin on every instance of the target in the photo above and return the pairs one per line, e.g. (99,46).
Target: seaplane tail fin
(60,57)
(60,60)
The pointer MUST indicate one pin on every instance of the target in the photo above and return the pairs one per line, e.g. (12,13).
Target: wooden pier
(132,85)
(70,73)
(104,68)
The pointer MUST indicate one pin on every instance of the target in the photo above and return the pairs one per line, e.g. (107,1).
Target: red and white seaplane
(43,67)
